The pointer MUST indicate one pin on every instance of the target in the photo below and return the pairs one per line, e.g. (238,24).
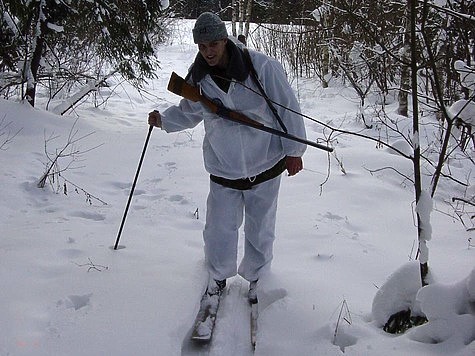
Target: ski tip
(202,333)
(195,347)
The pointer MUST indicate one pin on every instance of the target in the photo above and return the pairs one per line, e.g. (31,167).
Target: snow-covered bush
(448,310)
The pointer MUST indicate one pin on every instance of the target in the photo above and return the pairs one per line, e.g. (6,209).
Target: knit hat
(209,27)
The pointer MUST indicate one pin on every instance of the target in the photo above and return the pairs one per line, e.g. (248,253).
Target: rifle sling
(256,80)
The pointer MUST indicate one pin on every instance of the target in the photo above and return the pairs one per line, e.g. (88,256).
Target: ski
(205,320)
(254,316)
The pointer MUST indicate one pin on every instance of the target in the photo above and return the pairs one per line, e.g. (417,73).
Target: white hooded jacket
(232,150)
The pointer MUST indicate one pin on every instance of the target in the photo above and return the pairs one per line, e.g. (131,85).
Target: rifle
(179,86)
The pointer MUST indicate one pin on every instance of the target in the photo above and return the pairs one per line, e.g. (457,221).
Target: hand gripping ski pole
(133,187)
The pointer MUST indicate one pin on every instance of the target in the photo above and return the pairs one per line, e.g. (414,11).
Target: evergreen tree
(42,32)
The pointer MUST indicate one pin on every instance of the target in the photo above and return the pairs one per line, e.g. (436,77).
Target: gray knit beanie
(209,27)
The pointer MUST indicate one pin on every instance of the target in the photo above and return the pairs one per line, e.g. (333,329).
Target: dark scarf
(237,68)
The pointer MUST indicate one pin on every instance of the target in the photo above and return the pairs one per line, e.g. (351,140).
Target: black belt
(248,183)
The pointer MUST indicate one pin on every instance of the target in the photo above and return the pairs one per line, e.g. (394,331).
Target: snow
(398,293)
(341,264)
(464,109)
(424,209)
(320,12)
(450,310)
(164,4)
(401,146)
(55,27)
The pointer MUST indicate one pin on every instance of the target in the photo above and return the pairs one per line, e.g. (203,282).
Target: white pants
(224,216)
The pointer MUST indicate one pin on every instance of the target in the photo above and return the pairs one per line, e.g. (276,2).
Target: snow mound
(450,310)
(398,293)
(462,109)
(471,285)
(402,146)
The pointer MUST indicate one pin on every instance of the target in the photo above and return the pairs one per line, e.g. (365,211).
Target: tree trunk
(33,71)
(423,252)
(241,15)
(405,85)
(248,17)
(234,16)
(34,63)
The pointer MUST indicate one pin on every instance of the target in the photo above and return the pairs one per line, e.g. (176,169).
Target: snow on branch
(452,12)
(92,85)
(464,109)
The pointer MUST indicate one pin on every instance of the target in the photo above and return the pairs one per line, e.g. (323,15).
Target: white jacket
(232,150)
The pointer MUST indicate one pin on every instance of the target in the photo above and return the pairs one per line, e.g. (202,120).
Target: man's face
(214,52)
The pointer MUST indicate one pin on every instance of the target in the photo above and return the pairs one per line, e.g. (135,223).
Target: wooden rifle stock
(179,86)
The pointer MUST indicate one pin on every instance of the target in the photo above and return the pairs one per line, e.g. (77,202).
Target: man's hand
(155,119)
(293,165)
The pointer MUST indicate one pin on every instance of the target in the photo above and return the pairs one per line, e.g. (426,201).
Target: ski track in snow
(232,334)
(232,329)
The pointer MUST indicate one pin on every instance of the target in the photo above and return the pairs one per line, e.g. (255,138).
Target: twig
(88,195)
(454,199)
(343,315)
(9,137)
(54,171)
(392,169)
(92,266)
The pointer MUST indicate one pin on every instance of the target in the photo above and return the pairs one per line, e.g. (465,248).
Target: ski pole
(133,187)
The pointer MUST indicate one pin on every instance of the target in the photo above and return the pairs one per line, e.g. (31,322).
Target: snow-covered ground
(65,291)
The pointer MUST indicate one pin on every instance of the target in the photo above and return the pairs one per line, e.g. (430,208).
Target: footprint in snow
(88,215)
(120,185)
(331,216)
(124,122)
(76,301)
(323,257)
(139,192)
(140,207)
(341,334)
(344,339)
(269,296)
(70,253)
(171,167)
(178,199)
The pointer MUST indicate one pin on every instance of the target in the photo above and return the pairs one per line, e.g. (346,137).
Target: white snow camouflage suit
(234,151)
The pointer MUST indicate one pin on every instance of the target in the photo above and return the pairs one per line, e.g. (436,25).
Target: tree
(407,47)
(241,13)
(43,32)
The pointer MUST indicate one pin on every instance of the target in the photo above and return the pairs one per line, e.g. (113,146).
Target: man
(242,39)
(237,156)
